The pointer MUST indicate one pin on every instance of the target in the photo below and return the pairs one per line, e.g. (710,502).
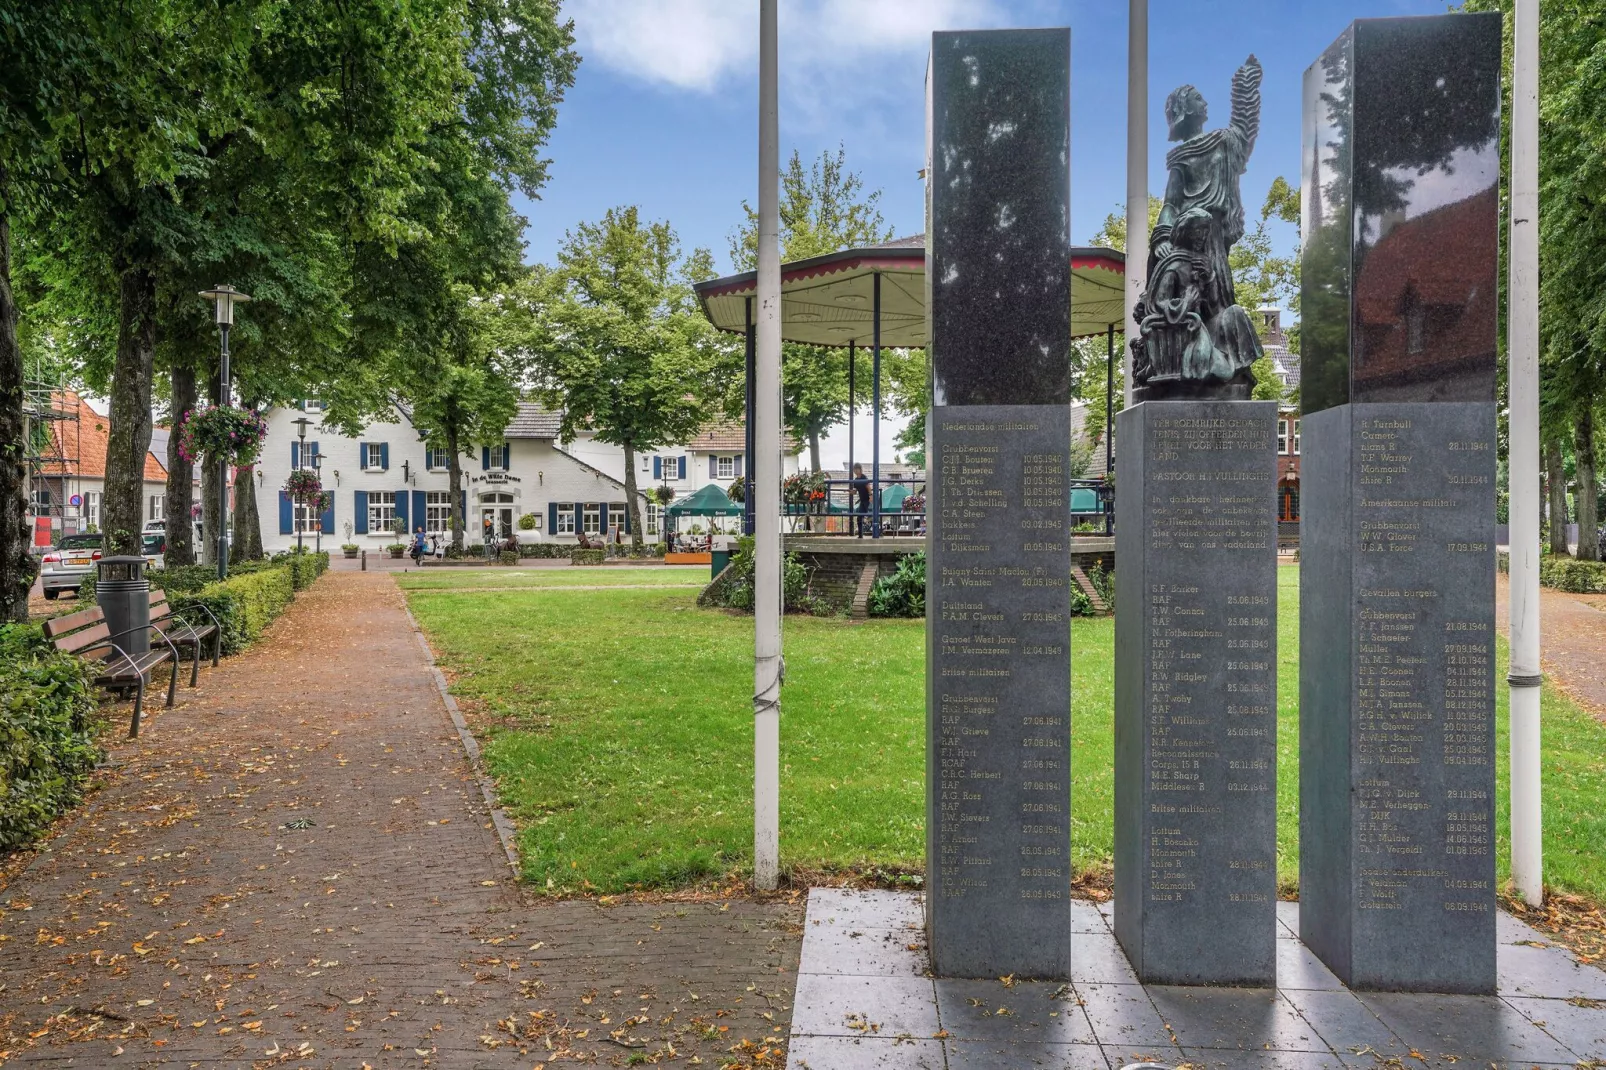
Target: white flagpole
(1137,174)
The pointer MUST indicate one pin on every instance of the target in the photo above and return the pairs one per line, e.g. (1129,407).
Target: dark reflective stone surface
(1401,179)
(998,264)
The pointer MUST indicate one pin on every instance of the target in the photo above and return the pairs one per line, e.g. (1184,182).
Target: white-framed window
(646,463)
(1282,436)
(1295,445)
(437,511)
(592,519)
(373,458)
(306,519)
(725,467)
(155,508)
(499,458)
(92,508)
(671,468)
(312,405)
(654,511)
(437,460)
(41,501)
(565,520)
(616,515)
(381,511)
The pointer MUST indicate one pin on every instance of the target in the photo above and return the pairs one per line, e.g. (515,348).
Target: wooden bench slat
(57,625)
(72,644)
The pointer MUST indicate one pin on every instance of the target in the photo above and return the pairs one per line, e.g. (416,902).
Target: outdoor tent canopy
(710,501)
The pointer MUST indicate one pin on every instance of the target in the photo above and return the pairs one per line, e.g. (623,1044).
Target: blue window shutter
(312,452)
(551,518)
(287,515)
(420,509)
(657,468)
(326,522)
(507,456)
(384,456)
(359,499)
(627,520)
(401,508)
(602,518)
(713,467)
(362,455)
(683,467)
(295,455)
(739,460)
(485,458)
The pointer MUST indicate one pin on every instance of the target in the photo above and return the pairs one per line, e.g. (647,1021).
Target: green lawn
(566,576)
(628,760)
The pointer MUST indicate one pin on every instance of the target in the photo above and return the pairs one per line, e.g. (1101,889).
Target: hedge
(544,550)
(1570,574)
(47,732)
(587,557)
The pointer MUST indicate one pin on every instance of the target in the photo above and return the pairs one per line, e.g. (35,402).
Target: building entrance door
(498,509)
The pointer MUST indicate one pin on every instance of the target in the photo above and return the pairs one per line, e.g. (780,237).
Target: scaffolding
(52,431)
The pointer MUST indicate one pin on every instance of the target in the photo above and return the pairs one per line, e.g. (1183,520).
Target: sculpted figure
(1204,349)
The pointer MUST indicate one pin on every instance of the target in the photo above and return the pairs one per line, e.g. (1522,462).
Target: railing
(840,511)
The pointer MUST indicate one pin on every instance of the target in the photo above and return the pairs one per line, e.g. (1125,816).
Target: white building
(716,455)
(386,475)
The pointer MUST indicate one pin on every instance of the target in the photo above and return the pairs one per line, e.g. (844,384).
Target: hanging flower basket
(303,486)
(222,432)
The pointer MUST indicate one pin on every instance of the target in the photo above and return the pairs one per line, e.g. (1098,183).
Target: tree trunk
(632,498)
(209,514)
(16,563)
(454,477)
(814,449)
(180,474)
(247,544)
(129,438)
(1584,467)
(1556,478)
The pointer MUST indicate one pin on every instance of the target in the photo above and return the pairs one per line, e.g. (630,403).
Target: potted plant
(397,549)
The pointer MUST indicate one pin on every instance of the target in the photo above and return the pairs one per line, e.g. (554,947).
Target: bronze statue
(1194,340)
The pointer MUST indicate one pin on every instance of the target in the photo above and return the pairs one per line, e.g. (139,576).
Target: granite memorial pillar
(1397,615)
(998,437)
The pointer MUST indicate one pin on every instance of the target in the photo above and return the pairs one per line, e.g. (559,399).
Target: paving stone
(1464,1028)
(864,1053)
(977,1055)
(1239,1018)
(1547,971)
(1087,918)
(841,949)
(852,1006)
(1124,1017)
(1026,1012)
(1343,1022)
(1298,968)
(1097,957)
(871,909)
(1208,1059)
(1579,1024)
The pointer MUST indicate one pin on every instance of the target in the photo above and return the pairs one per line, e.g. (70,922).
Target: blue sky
(663,114)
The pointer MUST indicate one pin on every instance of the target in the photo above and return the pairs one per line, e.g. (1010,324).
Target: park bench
(86,634)
(187,637)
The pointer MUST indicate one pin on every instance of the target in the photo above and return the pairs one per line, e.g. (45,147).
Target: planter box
(704,558)
(350,553)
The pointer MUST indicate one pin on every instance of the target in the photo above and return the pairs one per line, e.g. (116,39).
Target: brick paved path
(1572,638)
(177,920)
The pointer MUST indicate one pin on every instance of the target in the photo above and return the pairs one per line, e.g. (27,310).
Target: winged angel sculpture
(1194,340)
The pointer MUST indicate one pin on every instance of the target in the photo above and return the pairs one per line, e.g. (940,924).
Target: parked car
(153,546)
(65,566)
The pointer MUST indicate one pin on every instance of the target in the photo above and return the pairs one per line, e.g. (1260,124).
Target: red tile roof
(81,441)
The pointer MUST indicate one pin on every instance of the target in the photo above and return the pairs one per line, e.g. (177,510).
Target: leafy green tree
(616,340)
(824,209)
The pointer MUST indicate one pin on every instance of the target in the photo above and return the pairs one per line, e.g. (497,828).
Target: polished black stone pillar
(1400,308)
(998,876)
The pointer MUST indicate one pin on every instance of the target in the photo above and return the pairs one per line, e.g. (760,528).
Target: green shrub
(1103,582)
(243,604)
(1570,574)
(507,557)
(735,590)
(47,732)
(587,557)
(182,579)
(902,594)
(527,522)
(1081,604)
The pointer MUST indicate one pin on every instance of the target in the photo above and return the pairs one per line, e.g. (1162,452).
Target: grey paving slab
(825,1005)
(1580,1024)
(1464,1028)
(1287,920)
(864,1053)
(993,1055)
(1524,970)
(1299,969)
(1097,957)
(843,949)
(865,909)
(1086,918)
(1345,1023)
(1124,1016)
(1025,1012)
(1210,1059)
(1243,1019)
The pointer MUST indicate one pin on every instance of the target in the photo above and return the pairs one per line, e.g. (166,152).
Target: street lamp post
(317,528)
(301,464)
(223,297)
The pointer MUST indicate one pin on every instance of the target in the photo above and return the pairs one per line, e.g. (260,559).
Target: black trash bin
(124,596)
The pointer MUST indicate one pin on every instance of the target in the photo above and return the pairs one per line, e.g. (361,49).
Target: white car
(64,567)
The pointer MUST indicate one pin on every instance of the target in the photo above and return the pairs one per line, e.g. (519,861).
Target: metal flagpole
(768,668)
(1137,170)
(1522,324)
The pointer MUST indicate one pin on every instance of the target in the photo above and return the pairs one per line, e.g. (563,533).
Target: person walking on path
(420,547)
(489,535)
(861,495)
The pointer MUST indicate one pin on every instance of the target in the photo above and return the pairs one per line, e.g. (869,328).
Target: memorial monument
(1397,613)
(998,876)
(1196,617)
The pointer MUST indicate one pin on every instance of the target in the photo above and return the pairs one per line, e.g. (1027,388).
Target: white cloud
(696,44)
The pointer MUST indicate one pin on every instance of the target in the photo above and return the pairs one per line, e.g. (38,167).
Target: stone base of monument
(865,998)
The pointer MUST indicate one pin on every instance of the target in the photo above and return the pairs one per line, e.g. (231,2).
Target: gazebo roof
(828,300)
